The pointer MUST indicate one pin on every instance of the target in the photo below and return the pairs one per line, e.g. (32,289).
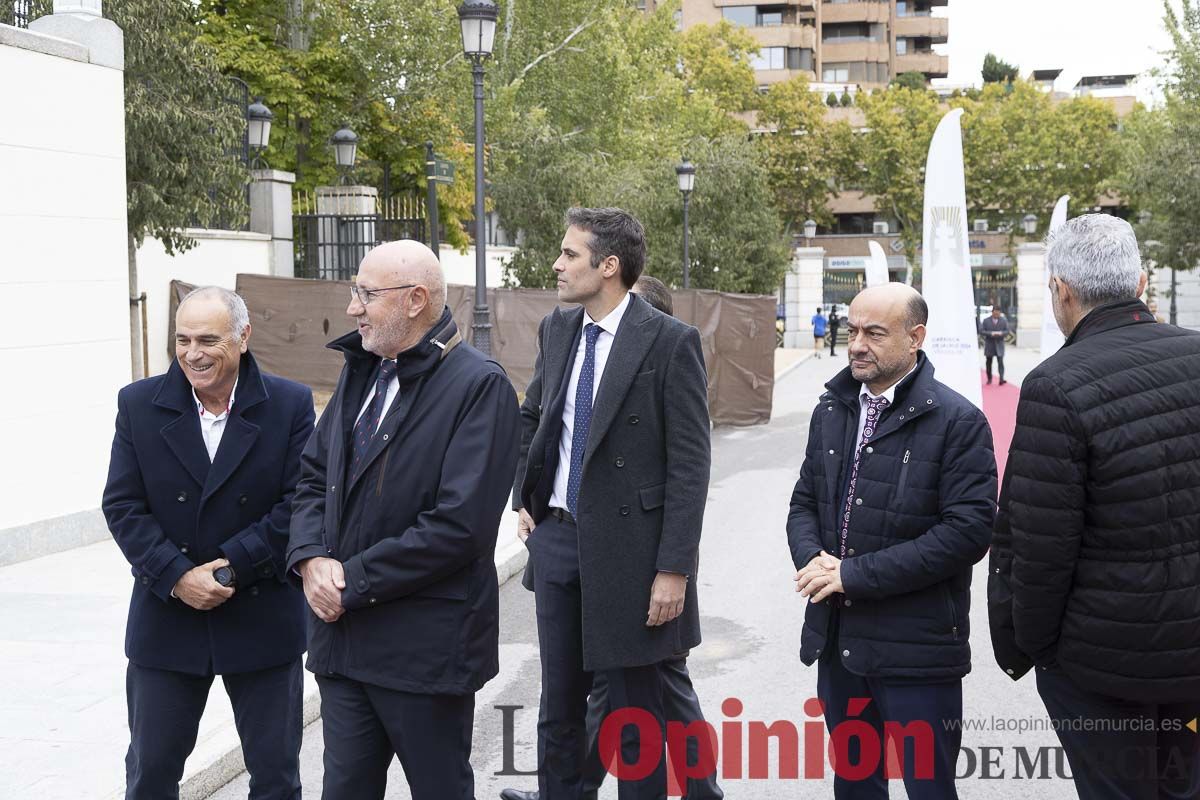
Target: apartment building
(850,42)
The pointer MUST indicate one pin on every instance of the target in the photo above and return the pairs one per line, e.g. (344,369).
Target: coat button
(333,488)
(620,462)
(818,651)
(849,602)
(385,437)
(633,419)
(901,416)
(362,586)
(242,500)
(845,653)
(254,591)
(858,501)
(371,601)
(870,449)
(182,497)
(850,552)
(183,549)
(830,452)
(929,402)
(624,511)
(1009,671)
(911,408)
(145,581)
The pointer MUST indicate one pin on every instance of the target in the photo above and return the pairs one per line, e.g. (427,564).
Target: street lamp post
(258,134)
(345,147)
(1029,224)
(810,230)
(478,21)
(686,173)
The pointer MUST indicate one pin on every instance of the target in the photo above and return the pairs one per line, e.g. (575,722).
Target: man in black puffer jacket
(894,505)
(1095,565)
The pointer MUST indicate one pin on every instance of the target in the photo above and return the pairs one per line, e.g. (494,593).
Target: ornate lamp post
(686,173)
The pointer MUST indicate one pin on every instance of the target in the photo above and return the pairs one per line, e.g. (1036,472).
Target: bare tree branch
(580,28)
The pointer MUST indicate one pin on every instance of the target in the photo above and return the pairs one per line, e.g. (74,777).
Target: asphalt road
(751,622)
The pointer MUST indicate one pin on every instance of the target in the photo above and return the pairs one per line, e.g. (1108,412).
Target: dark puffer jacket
(927,482)
(1095,562)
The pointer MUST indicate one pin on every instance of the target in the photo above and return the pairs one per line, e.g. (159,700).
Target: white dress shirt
(393,389)
(212,426)
(865,394)
(608,331)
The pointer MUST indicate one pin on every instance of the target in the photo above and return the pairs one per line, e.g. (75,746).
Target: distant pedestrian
(1095,561)
(833,325)
(994,329)
(818,326)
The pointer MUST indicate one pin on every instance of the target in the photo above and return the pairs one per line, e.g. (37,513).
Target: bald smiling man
(394,533)
(894,505)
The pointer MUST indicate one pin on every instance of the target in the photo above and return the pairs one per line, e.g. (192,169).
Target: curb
(788,370)
(510,560)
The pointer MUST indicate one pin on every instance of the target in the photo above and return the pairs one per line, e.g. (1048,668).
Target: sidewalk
(64,733)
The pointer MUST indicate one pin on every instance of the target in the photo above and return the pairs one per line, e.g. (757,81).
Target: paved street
(751,622)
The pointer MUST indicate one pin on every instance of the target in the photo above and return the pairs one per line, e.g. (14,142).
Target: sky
(1082,37)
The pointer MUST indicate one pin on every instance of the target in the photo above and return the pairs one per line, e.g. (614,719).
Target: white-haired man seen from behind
(1095,562)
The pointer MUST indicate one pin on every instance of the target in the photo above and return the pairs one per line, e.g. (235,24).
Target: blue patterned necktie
(583,415)
(364,429)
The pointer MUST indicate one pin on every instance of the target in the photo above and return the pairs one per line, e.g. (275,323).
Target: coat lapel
(240,434)
(182,434)
(635,336)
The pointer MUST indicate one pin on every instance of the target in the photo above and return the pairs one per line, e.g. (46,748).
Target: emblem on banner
(947,236)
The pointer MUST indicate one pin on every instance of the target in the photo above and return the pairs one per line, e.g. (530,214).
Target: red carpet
(1000,407)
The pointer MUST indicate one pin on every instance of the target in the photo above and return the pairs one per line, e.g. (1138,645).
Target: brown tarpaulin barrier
(293,319)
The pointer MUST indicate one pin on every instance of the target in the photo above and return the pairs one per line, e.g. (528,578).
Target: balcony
(837,52)
(766,77)
(930,63)
(804,36)
(936,29)
(855,12)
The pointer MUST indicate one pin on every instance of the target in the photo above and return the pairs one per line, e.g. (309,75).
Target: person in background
(834,324)
(818,326)
(994,329)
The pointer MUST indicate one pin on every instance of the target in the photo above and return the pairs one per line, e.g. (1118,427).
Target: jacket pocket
(948,594)
(653,496)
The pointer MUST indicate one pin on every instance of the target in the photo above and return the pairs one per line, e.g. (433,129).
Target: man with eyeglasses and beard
(394,533)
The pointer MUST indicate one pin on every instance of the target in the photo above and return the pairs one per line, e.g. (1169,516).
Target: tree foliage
(1161,169)
(911,80)
(997,71)
(182,134)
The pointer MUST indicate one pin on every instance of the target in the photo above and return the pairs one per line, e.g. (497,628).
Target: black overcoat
(925,502)
(645,476)
(416,529)
(170,510)
(1095,563)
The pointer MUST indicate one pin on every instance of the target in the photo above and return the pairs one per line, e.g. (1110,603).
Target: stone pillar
(1031,293)
(82,21)
(804,290)
(346,228)
(271,213)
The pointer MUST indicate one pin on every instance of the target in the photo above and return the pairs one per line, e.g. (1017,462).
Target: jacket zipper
(903,475)
(953,613)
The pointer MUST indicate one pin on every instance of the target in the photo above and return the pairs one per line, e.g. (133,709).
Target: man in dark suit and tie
(199,499)
(613,479)
(394,534)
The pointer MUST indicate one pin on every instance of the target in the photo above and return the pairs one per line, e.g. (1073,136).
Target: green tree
(845,101)
(716,60)
(894,148)
(805,155)
(180,132)
(831,100)
(1160,173)
(997,71)
(911,80)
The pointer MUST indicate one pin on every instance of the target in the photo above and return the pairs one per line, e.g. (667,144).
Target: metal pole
(686,260)
(1173,322)
(482,329)
(431,210)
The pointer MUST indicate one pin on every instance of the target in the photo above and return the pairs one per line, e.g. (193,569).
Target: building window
(836,73)
(769,17)
(754,16)
(799,58)
(770,58)
(855,72)
(853,32)
(901,47)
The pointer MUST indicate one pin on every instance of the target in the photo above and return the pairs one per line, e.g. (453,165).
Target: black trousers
(988,360)
(1135,751)
(164,716)
(680,704)
(365,725)
(832,340)
(938,705)
(562,732)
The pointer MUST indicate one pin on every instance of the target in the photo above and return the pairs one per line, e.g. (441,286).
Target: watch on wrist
(225,576)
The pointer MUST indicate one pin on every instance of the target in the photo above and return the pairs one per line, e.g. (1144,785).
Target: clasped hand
(820,578)
(199,589)
(324,579)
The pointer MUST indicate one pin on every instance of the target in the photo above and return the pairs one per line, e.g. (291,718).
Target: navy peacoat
(170,510)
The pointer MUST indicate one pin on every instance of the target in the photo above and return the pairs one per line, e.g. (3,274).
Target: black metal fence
(330,246)
(16,12)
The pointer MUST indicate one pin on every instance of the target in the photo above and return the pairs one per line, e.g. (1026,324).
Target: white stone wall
(1187,299)
(804,288)
(64,310)
(216,260)
(1031,293)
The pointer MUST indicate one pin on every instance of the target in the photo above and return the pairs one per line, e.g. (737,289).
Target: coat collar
(182,434)
(417,360)
(919,382)
(1109,317)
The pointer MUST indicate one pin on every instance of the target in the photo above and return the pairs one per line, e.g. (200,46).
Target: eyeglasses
(365,296)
